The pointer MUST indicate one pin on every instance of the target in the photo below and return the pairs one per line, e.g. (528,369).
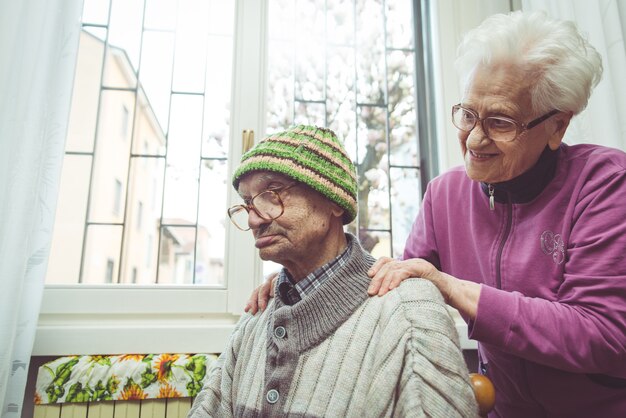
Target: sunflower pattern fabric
(121,377)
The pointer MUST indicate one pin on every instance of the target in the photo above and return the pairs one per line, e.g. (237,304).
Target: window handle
(247,137)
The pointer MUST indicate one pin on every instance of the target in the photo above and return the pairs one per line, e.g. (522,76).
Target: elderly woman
(528,240)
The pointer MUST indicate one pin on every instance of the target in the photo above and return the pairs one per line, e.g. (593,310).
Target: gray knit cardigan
(340,353)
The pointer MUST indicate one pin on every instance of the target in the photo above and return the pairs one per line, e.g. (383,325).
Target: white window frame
(100,319)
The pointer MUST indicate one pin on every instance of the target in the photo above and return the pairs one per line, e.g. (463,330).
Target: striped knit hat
(311,155)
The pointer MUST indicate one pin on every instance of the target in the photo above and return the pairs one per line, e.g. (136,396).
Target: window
(178,69)
(117,197)
(139,214)
(124,123)
(108,275)
(351,66)
(149,250)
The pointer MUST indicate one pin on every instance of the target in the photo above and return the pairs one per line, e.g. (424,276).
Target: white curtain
(38,49)
(604,23)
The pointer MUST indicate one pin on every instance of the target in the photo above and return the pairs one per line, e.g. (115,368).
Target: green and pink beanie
(310,155)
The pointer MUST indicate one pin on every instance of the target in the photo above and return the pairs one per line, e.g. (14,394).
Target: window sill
(133,319)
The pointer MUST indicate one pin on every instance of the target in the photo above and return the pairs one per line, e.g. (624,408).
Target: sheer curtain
(38,47)
(604,23)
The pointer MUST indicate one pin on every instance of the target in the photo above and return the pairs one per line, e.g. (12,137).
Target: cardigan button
(280,332)
(272,396)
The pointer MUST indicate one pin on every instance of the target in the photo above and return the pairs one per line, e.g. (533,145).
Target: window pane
(212,220)
(340,91)
(102,254)
(160,14)
(221,19)
(142,220)
(340,23)
(138,145)
(82,122)
(157,55)
(95,11)
(310,113)
(310,19)
(282,20)
(125,30)
(191,42)
(67,240)
(183,159)
(376,242)
(370,52)
(405,191)
(310,68)
(280,85)
(399,23)
(111,159)
(217,101)
(358,79)
(402,113)
(176,254)
(372,169)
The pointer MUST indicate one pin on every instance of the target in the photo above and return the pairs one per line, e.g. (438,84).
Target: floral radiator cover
(122,377)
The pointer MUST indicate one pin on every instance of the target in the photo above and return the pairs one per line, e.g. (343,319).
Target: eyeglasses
(497,128)
(267,204)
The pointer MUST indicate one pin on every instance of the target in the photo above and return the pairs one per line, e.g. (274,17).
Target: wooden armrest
(484,392)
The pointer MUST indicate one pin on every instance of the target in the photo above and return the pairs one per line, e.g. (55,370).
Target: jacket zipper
(507,231)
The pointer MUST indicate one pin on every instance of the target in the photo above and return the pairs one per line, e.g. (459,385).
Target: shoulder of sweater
(415,302)
(609,159)
(452,174)
(454,178)
(248,321)
(416,289)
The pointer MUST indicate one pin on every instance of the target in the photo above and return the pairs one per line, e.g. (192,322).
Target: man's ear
(558,127)
(337,210)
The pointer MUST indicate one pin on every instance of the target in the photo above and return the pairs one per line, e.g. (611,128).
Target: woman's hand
(387,274)
(261,295)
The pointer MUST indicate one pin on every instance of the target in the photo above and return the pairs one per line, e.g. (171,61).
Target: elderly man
(322,348)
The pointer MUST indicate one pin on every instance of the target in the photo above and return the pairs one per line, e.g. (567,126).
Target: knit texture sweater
(340,353)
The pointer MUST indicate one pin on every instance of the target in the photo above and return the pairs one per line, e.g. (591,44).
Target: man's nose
(254,220)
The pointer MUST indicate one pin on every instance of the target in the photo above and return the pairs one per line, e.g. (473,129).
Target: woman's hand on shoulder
(261,295)
(387,273)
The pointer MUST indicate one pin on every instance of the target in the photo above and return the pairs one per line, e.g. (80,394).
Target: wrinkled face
(503,90)
(300,232)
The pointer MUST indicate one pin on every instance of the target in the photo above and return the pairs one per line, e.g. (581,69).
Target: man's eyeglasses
(267,205)
(497,128)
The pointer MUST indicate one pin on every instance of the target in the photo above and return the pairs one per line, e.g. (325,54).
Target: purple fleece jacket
(551,321)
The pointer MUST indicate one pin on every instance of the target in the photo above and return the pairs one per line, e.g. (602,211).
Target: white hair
(566,67)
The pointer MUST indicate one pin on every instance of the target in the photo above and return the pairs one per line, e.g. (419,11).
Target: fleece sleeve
(434,380)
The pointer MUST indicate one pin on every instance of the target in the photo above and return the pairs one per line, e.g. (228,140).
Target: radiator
(151,408)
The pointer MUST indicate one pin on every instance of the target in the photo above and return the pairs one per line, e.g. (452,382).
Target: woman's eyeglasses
(497,128)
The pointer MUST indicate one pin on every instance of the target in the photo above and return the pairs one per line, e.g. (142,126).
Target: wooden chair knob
(484,392)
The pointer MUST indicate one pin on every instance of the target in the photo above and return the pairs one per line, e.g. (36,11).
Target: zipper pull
(492,204)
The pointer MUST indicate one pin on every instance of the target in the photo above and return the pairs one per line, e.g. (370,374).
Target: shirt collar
(292,293)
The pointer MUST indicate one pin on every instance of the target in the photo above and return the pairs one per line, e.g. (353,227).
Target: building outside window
(108,277)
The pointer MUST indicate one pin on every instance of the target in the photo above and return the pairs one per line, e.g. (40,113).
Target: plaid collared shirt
(291,293)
